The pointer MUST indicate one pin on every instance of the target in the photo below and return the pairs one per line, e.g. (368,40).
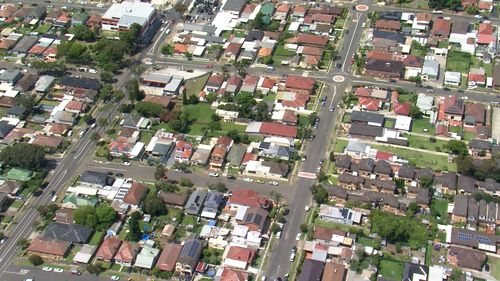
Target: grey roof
(73,233)
(311,270)
(383,184)
(10,76)
(356,146)
(336,191)
(25,44)
(236,154)
(195,201)
(392,15)
(80,82)
(255,215)
(386,66)
(407,172)
(480,144)
(414,268)
(425,172)
(64,117)
(472,209)
(190,253)
(348,178)
(5,128)
(44,83)
(470,238)
(460,27)
(466,183)
(213,201)
(130,120)
(234,5)
(448,179)
(366,130)
(460,205)
(210,38)
(94,177)
(367,117)
(16,111)
(254,35)
(199,27)
(162,149)
(343,161)
(395,36)
(365,165)
(489,185)
(277,168)
(383,167)
(26,82)
(430,67)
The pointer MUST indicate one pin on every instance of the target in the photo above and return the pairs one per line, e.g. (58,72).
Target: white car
(126,163)
(114,277)
(91,70)
(248,179)
(278,235)
(3,240)
(212,174)
(299,235)
(275,183)
(58,270)
(46,268)
(478,16)
(307,208)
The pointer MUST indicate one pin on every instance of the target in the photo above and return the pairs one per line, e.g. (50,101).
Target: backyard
(195,85)
(419,125)
(458,61)
(425,143)
(495,267)
(391,269)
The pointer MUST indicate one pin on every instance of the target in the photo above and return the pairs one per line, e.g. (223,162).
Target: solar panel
(483,239)
(464,236)
(258,219)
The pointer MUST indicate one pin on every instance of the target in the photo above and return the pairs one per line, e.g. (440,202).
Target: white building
(123,15)
(452,78)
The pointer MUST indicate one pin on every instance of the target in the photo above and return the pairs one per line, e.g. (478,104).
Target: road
(77,5)
(15,273)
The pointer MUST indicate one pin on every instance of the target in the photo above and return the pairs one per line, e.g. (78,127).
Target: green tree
(320,194)
(214,126)
(74,52)
(425,182)
(27,101)
(167,50)
(262,112)
(149,109)
(107,77)
(134,93)
(23,155)
(457,147)
(35,260)
(96,268)
(134,229)
(219,186)
(154,205)
(159,172)
(23,243)
(181,8)
(415,112)
(106,215)
(55,68)
(276,197)
(186,182)
(83,33)
(181,123)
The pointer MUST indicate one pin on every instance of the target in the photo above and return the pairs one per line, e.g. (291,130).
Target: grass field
(477,63)
(420,159)
(390,269)
(418,126)
(441,207)
(96,238)
(419,4)
(425,143)
(228,126)
(340,145)
(195,85)
(44,28)
(494,267)
(458,61)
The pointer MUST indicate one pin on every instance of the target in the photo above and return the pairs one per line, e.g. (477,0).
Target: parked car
(126,163)
(299,235)
(231,177)
(76,272)
(307,208)
(248,179)
(212,174)
(278,235)
(260,181)
(47,269)
(58,270)
(292,256)
(114,277)
(274,183)
(3,240)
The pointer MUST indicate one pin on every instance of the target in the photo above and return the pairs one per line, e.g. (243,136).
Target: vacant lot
(458,61)
(195,85)
(391,269)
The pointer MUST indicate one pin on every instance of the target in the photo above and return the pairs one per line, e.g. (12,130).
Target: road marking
(305,73)
(338,78)
(106,168)
(334,93)
(307,175)
(12,272)
(350,43)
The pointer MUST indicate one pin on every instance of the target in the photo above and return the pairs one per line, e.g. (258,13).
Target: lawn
(477,63)
(3,111)
(340,145)
(346,118)
(303,121)
(391,269)
(339,23)
(418,126)
(425,143)
(428,255)
(146,137)
(494,267)
(195,85)
(281,51)
(419,4)
(270,97)
(440,206)
(96,238)
(189,220)
(468,136)
(200,113)
(420,159)
(458,61)
(43,28)
(365,241)
(228,126)
(16,204)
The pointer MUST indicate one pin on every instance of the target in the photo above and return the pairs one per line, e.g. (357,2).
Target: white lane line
(350,43)
(333,96)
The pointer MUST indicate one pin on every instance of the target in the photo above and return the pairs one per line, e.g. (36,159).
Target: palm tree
(276,197)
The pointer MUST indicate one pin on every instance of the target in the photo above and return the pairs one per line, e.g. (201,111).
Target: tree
(464,165)
(23,243)
(23,155)
(99,218)
(181,123)
(95,136)
(94,268)
(149,109)
(456,275)
(186,182)
(27,101)
(275,228)
(107,77)
(103,122)
(262,112)
(74,52)
(134,93)
(425,182)
(303,228)
(181,8)
(159,172)
(167,50)
(457,147)
(214,126)
(154,205)
(56,68)
(106,215)
(412,208)
(320,194)
(83,33)
(35,260)
(331,156)
(415,112)
(133,226)
(219,186)
(276,197)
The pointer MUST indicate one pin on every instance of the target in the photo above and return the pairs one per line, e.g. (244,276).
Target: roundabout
(338,78)
(362,8)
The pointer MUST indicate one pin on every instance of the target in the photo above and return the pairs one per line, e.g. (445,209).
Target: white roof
(294,26)
(436,273)
(240,230)
(136,150)
(85,254)
(452,76)
(83,190)
(146,257)
(130,12)
(240,213)
(253,127)
(198,51)
(403,123)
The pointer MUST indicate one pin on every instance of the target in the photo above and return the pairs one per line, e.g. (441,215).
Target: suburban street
(296,193)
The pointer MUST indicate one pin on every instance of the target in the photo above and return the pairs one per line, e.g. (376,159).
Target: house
(64,216)
(195,202)
(267,169)
(466,258)
(389,25)
(146,257)
(232,51)
(219,153)
(243,198)
(93,179)
(10,76)
(201,155)
(452,78)
(305,39)
(446,182)
(236,154)
(249,84)
(382,186)
(478,148)
(73,201)
(349,181)
(299,84)
(367,118)
(44,83)
(334,272)
(211,205)
(343,163)
(9,187)
(229,274)
(47,141)
(233,84)
(85,255)
(255,218)
(383,169)
(169,256)
(49,249)
(454,108)
(364,167)
(271,129)
(475,115)
(183,151)
(126,254)
(414,271)
(430,70)
(311,270)
(108,249)
(441,28)
(291,100)
(383,68)
(329,236)
(476,77)
(73,233)
(286,117)
(172,199)
(339,215)
(189,256)
(238,257)
(4,201)
(24,45)
(26,83)
(485,34)
(214,83)
(357,149)
(282,11)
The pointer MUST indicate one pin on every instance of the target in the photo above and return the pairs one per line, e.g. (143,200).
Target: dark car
(339,65)
(172,181)
(486,267)
(52,193)
(119,174)
(231,177)
(110,173)
(188,171)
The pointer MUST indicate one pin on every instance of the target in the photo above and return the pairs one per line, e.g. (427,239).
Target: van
(292,256)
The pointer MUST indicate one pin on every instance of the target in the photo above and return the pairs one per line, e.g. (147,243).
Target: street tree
(35,260)
(159,172)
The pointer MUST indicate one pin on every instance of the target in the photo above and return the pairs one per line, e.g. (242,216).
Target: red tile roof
(161,100)
(363,92)
(300,100)
(485,33)
(234,80)
(423,17)
(388,24)
(477,77)
(313,51)
(169,256)
(250,80)
(248,157)
(49,247)
(241,254)
(309,39)
(246,197)
(76,106)
(180,48)
(47,141)
(299,10)
(233,48)
(225,141)
(268,83)
(283,8)
(383,155)
(216,79)
(402,108)
(108,248)
(369,103)
(57,128)
(322,18)
(126,253)
(229,274)
(299,82)
(135,193)
(413,61)
(37,50)
(277,129)
(441,27)
(290,117)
